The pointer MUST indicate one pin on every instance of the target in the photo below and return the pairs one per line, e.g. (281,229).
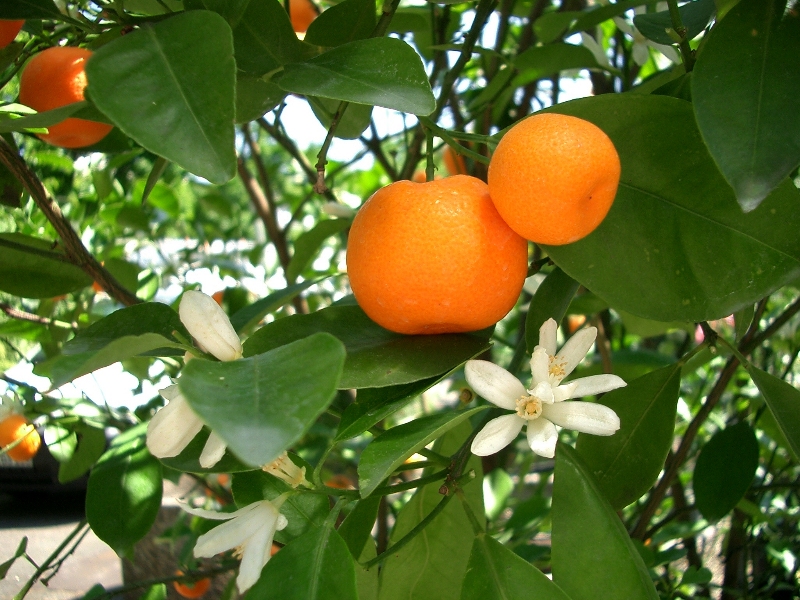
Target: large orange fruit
(553,178)
(14,427)
(55,78)
(9,31)
(301,13)
(434,257)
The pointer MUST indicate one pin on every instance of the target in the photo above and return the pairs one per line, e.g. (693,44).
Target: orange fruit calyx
(553,178)
(54,78)
(435,257)
(19,438)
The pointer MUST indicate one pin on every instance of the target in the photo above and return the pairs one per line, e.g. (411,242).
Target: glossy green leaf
(388,450)
(746,97)
(124,492)
(308,244)
(377,71)
(342,23)
(188,460)
(170,87)
(4,567)
(353,122)
(675,245)
(32,268)
(551,300)
(302,511)
(783,400)
(271,399)
(30,9)
(10,188)
(724,470)
(251,314)
(373,405)
(625,465)
(60,441)
(91,445)
(376,357)
(593,18)
(494,571)
(254,97)
(41,120)
(433,564)
(544,61)
(592,554)
(315,566)
(695,16)
(357,527)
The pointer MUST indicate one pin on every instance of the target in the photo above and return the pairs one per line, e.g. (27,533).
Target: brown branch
(21,315)
(71,242)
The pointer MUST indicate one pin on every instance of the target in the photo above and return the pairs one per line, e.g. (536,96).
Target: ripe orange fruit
(301,13)
(55,78)
(192,590)
(14,427)
(553,178)
(9,31)
(434,257)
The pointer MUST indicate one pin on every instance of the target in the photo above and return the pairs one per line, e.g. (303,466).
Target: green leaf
(315,566)
(91,445)
(65,368)
(170,87)
(694,17)
(377,71)
(625,465)
(593,18)
(388,450)
(43,274)
(308,244)
(271,399)
(351,125)
(432,565)
(342,23)
(157,591)
(254,97)
(376,357)
(4,567)
(123,495)
(357,527)
(783,400)
(591,552)
(60,441)
(551,59)
(251,314)
(551,300)
(188,460)
(724,470)
(41,120)
(551,26)
(303,511)
(746,97)
(30,9)
(494,571)
(373,405)
(671,190)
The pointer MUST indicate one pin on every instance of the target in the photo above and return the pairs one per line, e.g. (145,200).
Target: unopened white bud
(209,326)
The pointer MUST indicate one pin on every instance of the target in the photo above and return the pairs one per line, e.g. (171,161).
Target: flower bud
(209,326)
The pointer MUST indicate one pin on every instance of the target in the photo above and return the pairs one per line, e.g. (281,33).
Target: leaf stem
(677,24)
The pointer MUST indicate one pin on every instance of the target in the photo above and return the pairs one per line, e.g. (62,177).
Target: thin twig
(21,315)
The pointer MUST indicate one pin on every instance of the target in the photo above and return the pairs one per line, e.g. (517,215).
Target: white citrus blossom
(642,45)
(284,469)
(175,425)
(249,532)
(547,403)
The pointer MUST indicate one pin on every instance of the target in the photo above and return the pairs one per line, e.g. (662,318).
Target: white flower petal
(565,391)
(543,392)
(596,384)
(547,336)
(236,531)
(253,557)
(170,392)
(213,451)
(624,26)
(496,435)
(596,49)
(668,51)
(574,350)
(172,428)
(586,417)
(640,54)
(216,515)
(540,365)
(494,383)
(209,325)
(542,437)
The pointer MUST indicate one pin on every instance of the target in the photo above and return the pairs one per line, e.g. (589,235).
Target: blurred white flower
(545,405)
(642,45)
(249,532)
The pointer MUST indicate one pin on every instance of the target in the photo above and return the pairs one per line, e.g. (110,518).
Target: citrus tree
(374,458)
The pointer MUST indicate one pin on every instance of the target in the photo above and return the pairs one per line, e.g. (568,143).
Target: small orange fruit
(341,481)
(9,31)
(553,178)
(192,590)
(52,79)
(301,13)
(14,427)
(454,163)
(434,257)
